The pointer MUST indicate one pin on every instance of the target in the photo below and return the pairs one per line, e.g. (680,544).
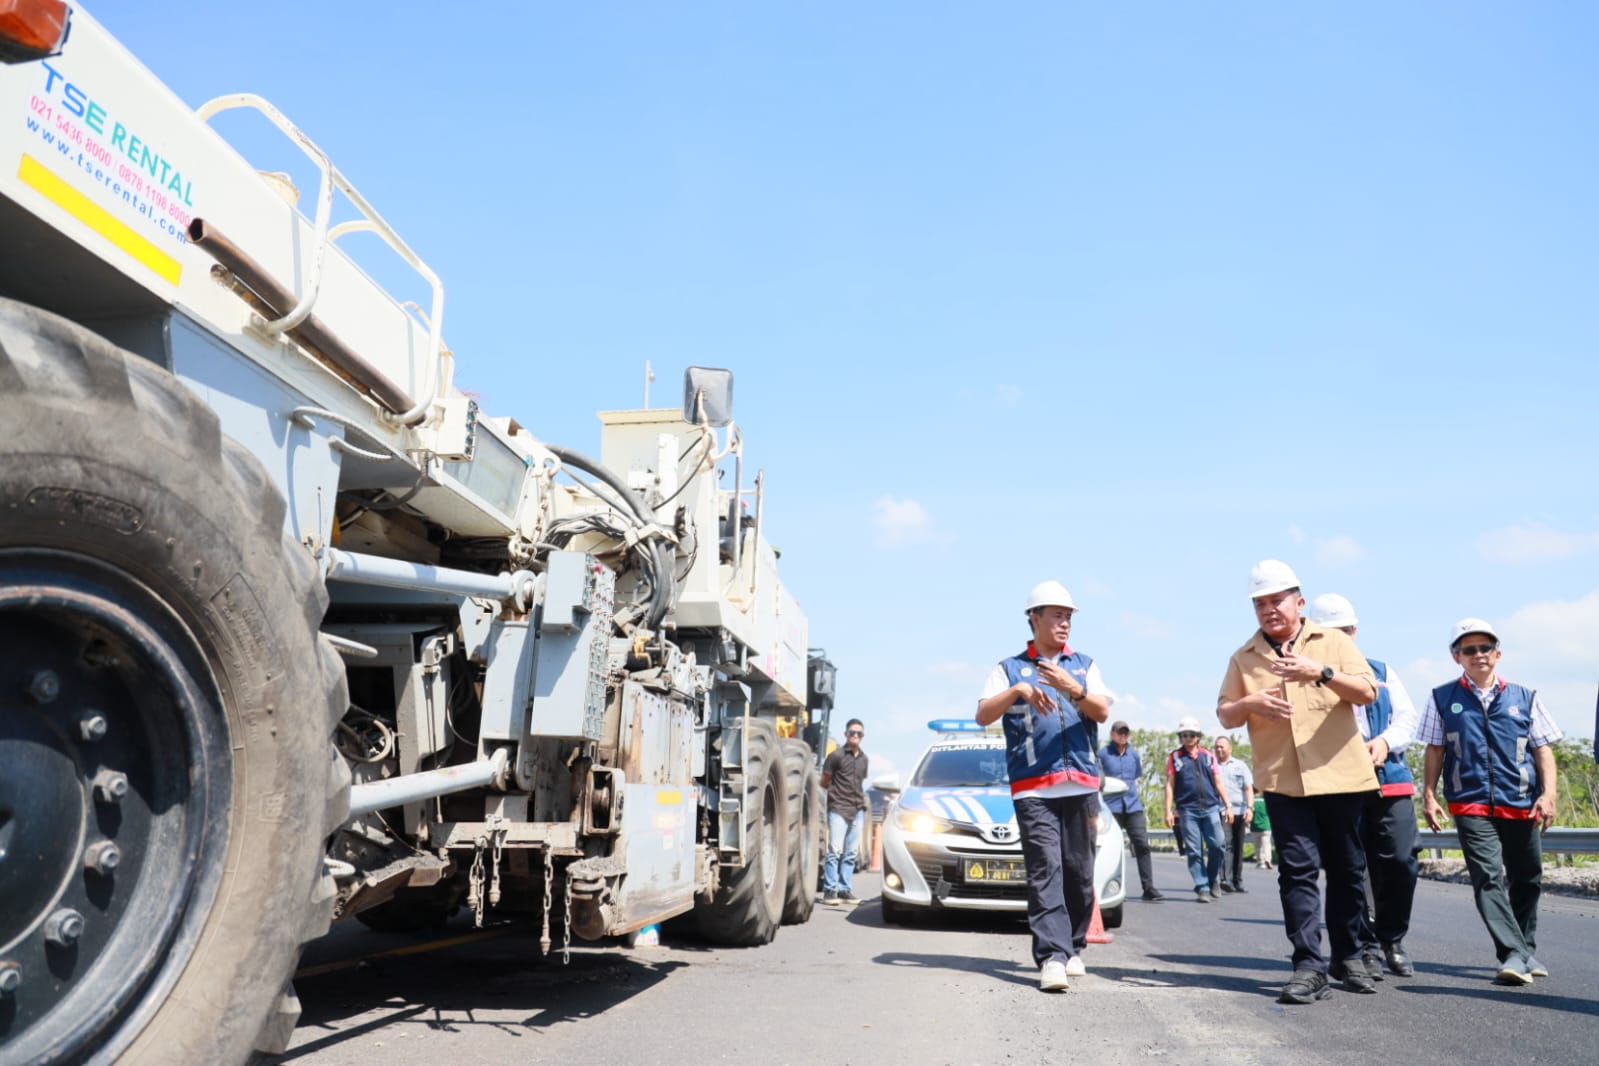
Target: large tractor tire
(166,706)
(748,905)
(804,830)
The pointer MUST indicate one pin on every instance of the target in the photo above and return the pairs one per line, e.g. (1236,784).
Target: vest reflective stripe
(1394,774)
(1488,767)
(1042,750)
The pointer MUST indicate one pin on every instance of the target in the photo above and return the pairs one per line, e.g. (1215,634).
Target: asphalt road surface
(1182,983)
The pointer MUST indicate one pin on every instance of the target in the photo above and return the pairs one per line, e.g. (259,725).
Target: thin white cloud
(1534,544)
(959,668)
(900,522)
(1338,550)
(1296,534)
(1561,633)
(1009,395)
(1145,626)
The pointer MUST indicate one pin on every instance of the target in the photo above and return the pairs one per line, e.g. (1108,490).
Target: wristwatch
(1326,675)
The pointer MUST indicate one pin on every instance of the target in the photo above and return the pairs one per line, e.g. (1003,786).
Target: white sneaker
(1052,976)
(1075,967)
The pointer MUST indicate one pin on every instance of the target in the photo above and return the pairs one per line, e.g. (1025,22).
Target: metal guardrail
(1558,840)
(1567,841)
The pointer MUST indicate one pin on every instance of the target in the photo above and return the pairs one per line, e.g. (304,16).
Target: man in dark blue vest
(1196,806)
(1491,741)
(1051,699)
(1388,824)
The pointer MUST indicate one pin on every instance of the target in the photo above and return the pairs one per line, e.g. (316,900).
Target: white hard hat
(1049,594)
(1333,611)
(1471,625)
(1189,725)
(1269,576)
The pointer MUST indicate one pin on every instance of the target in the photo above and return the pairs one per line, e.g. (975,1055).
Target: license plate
(996,870)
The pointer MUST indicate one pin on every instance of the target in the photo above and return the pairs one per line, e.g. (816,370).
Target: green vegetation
(1574,762)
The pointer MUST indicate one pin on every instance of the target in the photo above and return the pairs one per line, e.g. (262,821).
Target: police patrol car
(950,838)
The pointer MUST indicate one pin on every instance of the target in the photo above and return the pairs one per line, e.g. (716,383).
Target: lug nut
(10,978)
(110,786)
(44,686)
(92,726)
(102,857)
(63,927)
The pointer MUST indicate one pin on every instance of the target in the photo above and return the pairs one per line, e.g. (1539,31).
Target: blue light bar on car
(955,725)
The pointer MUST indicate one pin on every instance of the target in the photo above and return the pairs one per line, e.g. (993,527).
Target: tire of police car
(1111,917)
(748,906)
(189,621)
(804,786)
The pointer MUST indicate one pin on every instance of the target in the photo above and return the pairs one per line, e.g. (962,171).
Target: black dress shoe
(1373,964)
(1353,974)
(1238,886)
(1224,886)
(1307,986)
(1154,895)
(1398,961)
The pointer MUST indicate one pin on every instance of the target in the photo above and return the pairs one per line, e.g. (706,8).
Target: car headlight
(918,822)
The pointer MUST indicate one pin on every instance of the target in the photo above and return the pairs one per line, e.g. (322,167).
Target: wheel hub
(102,797)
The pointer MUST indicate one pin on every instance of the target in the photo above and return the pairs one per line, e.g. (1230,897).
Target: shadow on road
(948,918)
(998,968)
(1521,997)
(1226,962)
(454,985)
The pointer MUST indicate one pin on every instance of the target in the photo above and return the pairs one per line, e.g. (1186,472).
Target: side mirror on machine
(887,783)
(707,396)
(1113,786)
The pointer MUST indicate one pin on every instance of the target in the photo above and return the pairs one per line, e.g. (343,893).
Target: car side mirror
(887,783)
(1113,786)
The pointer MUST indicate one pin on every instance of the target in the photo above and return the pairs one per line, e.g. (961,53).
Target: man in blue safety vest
(1051,699)
(1196,807)
(1388,823)
(1491,742)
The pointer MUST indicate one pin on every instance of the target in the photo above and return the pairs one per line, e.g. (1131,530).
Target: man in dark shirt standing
(1121,759)
(844,777)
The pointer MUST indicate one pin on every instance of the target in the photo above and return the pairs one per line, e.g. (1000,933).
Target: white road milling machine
(292,629)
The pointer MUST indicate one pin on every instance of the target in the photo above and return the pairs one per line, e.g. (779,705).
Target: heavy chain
(566,935)
(497,840)
(474,892)
(549,878)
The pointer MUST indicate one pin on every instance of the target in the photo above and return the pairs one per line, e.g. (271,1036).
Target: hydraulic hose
(662,592)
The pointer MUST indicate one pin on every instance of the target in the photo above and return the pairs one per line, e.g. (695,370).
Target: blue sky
(1130,296)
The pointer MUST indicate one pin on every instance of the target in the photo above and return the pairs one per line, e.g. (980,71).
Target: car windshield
(961,768)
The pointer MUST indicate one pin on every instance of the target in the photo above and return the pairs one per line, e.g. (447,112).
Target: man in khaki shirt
(1296,685)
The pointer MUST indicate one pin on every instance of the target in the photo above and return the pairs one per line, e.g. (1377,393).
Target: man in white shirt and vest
(1490,740)
(1051,699)
(1388,824)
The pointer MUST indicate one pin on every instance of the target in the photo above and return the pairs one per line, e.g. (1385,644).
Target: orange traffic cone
(1096,927)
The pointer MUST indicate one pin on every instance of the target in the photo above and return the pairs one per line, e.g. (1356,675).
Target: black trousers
(1234,835)
(1136,826)
(1388,827)
(1058,854)
(1315,833)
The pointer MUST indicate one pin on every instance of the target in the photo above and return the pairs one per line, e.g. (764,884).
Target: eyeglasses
(855,733)
(1478,649)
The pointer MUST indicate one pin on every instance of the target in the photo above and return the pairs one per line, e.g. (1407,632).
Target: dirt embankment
(1563,880)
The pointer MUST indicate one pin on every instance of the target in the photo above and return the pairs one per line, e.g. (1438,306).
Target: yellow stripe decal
(55,189)
(668,797)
